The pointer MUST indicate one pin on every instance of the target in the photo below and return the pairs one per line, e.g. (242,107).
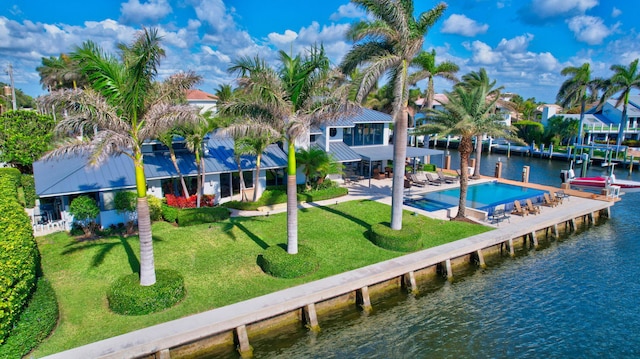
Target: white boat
(602,182)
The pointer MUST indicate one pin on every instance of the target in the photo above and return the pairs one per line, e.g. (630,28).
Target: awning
(340,151)
(381,153)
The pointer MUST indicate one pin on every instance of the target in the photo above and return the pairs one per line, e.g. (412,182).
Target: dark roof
(340,151)
(72,174)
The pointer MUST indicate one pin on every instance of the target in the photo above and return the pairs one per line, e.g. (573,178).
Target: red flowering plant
(207,200)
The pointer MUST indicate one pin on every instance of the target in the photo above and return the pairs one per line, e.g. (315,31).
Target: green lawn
(218,262)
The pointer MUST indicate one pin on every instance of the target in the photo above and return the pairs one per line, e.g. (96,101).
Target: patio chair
(531,208)
(432,180)
(498,216)
(378,175)
(548,201)
(518,210)
(416,181)
(561,195)
(446,179)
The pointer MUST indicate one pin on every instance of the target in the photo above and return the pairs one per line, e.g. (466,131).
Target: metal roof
(72,174)
(340,151)
(380,153)
(365,115)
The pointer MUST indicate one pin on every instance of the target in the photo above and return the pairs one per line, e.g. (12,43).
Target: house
(206,101)
(360,141)
(603,124)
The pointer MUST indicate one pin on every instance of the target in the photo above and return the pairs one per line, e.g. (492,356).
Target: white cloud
(517,44)
(332,38)
(349,11)
(462,25)
(482,54)
(552,8)
(589,29)
(282,40)
(134,12)
(215,14)
(616,12)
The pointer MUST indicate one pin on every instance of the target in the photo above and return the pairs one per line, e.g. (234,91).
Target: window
(333,132)
(364,134)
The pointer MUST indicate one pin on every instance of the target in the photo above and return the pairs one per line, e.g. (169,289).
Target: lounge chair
(498,215)
(560,195)
(518,210)
(433,180)
(548,201)
(417,181)
(531,208)
(447,179)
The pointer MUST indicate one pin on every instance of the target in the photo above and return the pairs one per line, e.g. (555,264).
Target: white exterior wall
(154,188)
(212,186)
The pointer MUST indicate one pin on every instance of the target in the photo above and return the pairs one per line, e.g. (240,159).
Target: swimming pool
(484,196)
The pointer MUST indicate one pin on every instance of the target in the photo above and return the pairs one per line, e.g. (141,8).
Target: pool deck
(160,339)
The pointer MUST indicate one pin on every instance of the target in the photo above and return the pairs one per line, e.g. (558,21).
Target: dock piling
(449,270)
(163,354)
(244,349)
(310,317)
(409,281)
(512,251)
(364,300)
(481,261)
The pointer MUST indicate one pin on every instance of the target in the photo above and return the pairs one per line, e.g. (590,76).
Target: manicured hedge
(429,167)
(126,295)
(169,214)
(155,207)
(35,324)
(14,175)
(29,187)
(408,239)
(277,262)
(18,256)
(322,194)
(193,216)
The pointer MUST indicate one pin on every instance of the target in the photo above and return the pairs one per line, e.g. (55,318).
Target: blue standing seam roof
(72,174)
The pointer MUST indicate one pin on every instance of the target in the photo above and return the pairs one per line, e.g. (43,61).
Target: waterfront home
(603,124)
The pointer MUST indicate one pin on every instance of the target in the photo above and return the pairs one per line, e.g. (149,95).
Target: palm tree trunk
(185,191)
(476,168)
(465,149)
(147,266)
(292,201)
(243,197)
(203,179)
(256,178)
(199,183)
(399,155)
(580,135)
(623,124)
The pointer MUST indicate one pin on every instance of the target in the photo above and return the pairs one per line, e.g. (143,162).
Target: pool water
(484,196)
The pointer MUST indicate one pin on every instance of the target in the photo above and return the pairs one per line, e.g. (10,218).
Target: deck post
(409,280)
(310,317)
(534,240)
(592,218)
(163,354)
(449,270)
(364,300)
(512,251)
(555,231)
(573,224)
(481,259)
(245,350)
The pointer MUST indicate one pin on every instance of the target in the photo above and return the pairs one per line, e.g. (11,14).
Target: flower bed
(207,200)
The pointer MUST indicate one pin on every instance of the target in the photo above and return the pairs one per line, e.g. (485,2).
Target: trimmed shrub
(429,167)
(207,200)
(155,207)
(18,256)
(193,216)
(170,214)
(29,188)
(84,210)
(126,296)
(322,194)
(14,175)
(409,239)
(36,322)
(277,262)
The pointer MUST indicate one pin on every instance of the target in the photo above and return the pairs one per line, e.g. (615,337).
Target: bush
(14,175)
(84,209)
(207,200)
(155,207)
(277,262)
(409,239)
(193,216)
(126,296)
(29,188)
(37,320)
(18,256)
(429,167)
(170,214)
(322,194)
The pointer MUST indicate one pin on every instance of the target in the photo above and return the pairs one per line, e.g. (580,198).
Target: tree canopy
(26,136)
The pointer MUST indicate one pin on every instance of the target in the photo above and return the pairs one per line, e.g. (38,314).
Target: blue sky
(523,44)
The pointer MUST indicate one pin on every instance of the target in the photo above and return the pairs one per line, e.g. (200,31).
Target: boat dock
(235,323)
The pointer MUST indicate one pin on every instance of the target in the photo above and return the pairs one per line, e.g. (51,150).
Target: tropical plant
(388,44)
(167,139)
(125,202)
(427,69)
(61,72)
(623,80)
(466,108)
(580,88)
(561,129)
(84,210)
(290,99)
(316,164)
(123,105)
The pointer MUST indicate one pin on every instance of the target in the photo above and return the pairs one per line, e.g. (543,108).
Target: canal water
(573,298)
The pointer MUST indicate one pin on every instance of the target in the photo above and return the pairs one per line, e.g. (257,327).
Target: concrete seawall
(231,322)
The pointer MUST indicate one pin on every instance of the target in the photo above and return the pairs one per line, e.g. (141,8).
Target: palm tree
(196,134)
(167,139)
(427,69)
(465,112)
(388,44)
(290,100)
(624,79)
(578,89)
(60,72)
(311,160)
(224,93)
(120,101)
(487,124)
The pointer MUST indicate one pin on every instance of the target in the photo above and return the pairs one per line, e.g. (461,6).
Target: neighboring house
(603,125)
(206,101)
